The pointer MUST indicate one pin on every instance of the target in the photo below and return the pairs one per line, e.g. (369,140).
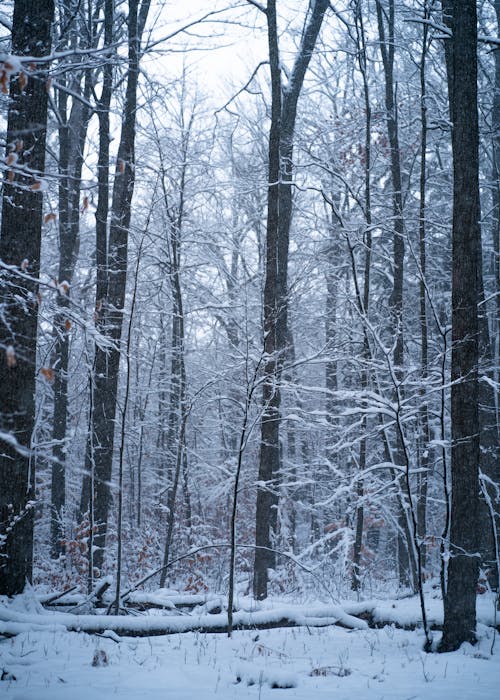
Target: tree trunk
(489,415)
(461,60)
(177,416)
(424,459)
(20,244)
(101,217)
(72,137)
(387,45)
(358,536)
(107,361)
(495,225)
(279,216)
(269,451)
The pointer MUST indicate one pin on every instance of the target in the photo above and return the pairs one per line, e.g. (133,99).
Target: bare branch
(245,86)
(258,6)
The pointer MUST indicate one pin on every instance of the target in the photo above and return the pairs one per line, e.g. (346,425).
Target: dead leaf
(48,373)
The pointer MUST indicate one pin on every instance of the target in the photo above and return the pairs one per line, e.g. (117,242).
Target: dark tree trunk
(101,216)
(177,410)
(387,46)
(495,123)
(489,416)
(279,215)
(424,459)
(461,60)
(72,136)
(20,244)
(489,462)
(359,524)
(269,451)
(107,361)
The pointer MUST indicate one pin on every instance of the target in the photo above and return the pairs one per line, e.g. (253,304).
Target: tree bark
(387,50)
(359,525)
(271,397)
(72,137)
(177,413)
(461,60)
(107,361)
(20,243)
(424,459)
(279,215)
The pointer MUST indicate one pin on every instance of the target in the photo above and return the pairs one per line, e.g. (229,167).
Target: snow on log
(405,612)
(13,622)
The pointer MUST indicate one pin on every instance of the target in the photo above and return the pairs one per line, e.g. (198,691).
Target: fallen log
(403,614)
(55,598)
(167,601)
(12,623)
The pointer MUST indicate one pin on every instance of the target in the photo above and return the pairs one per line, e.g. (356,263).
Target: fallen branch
(53,597)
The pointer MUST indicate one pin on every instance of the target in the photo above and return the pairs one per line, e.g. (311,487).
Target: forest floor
(299,663)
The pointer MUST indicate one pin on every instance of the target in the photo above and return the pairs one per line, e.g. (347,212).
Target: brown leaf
(4,82)
(48,373)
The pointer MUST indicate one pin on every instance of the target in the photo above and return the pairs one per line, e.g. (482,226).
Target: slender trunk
(489,407)
(107,362)
(279,216)
(176,422)
(358,537)
(123,425)
(269,454)
(495,220)
(251,385)
(72,137)
(424,461)
(172,495)
(101,216)
(387,50)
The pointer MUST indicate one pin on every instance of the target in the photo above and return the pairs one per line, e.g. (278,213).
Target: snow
(310,663)
(12,621)
(406,611)
(303,663)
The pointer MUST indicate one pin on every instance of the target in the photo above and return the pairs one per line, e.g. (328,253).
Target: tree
(461,63)
(112,251)
(73,122)
(406,563)
(20,244)
(279,216)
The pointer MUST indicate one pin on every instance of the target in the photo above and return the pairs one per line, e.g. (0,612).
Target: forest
(249,346)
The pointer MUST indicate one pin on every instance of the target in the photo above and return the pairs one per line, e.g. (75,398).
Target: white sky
(224,50)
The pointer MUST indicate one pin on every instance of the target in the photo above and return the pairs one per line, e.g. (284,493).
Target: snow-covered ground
(306,663)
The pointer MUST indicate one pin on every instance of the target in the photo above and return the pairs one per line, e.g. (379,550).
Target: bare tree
(73,117)
(279,216)
(110,307)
